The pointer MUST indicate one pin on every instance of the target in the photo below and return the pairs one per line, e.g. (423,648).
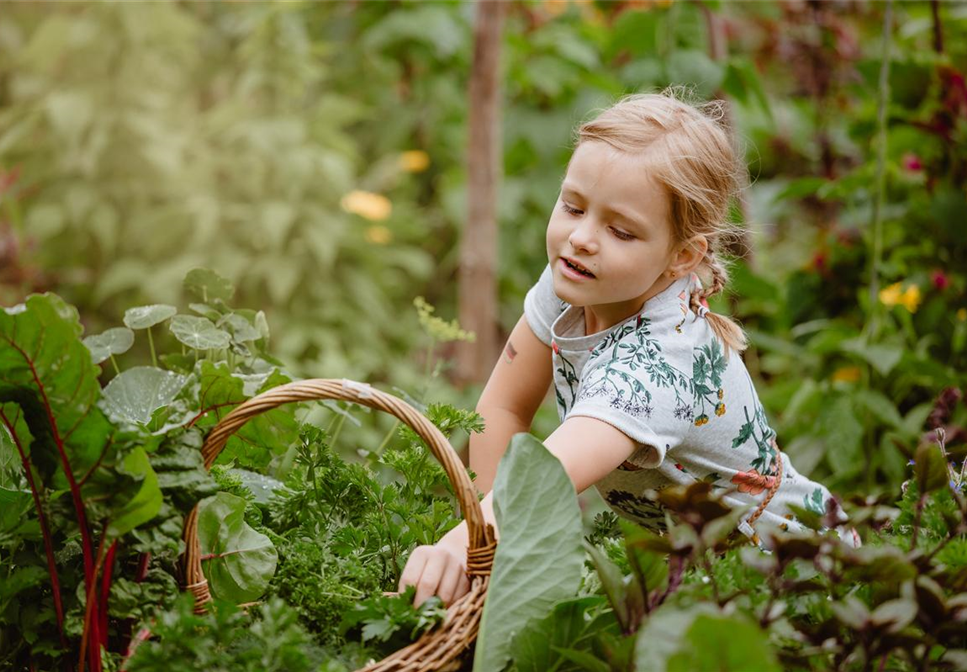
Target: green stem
(389,435)
(154,357)
(872,325)
(335,435)
(117,371)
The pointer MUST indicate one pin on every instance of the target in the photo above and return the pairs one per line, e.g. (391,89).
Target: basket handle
(480,553)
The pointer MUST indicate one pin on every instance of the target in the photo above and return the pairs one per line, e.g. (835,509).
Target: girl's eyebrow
(621,213)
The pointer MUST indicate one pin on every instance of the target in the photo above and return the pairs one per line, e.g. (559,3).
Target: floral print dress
(662,377)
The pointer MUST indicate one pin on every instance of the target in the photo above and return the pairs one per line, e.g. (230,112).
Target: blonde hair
(691,155)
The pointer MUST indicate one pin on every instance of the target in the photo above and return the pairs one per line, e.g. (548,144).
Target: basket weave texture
(440,649)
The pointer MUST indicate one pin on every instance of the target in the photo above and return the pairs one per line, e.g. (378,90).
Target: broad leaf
(538,647)
(199,333)
(723,643)
(208,285)
(145,317)
(137,393)
(146,503)
(930,468)
(115,341)
(238,561)
(539,555)
(49,387)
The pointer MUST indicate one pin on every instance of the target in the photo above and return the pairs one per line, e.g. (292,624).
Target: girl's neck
(604,316)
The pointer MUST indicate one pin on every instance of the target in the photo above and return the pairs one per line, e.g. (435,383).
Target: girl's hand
(436,570)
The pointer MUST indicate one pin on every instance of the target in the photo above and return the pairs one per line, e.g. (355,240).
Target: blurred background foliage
(314,154)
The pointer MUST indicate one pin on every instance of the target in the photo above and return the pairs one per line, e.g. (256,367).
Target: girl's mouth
(574,271)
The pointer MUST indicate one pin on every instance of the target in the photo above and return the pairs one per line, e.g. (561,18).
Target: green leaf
(146,503)
(842,432)
(144,317)
(539,556)
(241,561)
(883,358)
(725,644)
(895,614)
(49,384)
(242,330)
(881,407)
(115,341)
(208,285)
(538,647)
(661,635)
(199,333)
(620,594)
(930,468)
(137,393)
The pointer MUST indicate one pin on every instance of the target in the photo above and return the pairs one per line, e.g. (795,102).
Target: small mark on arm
(509,353)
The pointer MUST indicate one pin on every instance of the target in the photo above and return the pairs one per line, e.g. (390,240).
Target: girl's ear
(689,256)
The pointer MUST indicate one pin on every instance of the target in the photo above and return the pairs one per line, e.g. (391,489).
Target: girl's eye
(569,210)
(621,235)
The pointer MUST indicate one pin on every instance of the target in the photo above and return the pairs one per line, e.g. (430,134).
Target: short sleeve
(542,306)
(641,388)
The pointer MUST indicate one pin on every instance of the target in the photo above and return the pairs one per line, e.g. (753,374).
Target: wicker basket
(439,649)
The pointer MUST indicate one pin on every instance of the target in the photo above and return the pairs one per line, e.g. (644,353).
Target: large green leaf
(238,561)
(49,386)
(268,433)
(146,502)
(538,647)
(137,393)
(539,557)
(208,285)
(723,643)
(198,333)
(115,341)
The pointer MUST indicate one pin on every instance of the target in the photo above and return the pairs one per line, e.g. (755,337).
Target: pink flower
(940,280)
(912,162)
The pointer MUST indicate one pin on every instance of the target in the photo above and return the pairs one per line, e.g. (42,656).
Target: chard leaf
(146,503)
(137,393)
(198,333)
(238,561)
(49,387)
(145,317)
(540,554)
(115,341)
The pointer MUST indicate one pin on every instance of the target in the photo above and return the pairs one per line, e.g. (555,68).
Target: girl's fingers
(414,568)
(450,582)
(430,578)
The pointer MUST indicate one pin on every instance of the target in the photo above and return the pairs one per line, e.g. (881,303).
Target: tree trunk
(478,251)
(718,51)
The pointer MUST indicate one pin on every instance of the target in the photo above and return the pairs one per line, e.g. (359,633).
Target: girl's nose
(584,236)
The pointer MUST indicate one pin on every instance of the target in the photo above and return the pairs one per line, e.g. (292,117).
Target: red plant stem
(86,542)
(45,531)
(205,411)
(143,635)
(91,631)
(106,589)
(142,567)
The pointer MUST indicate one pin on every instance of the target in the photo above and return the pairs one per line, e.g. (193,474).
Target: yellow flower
(414,161)
(555,7)
(720,409)
(962,314)
(366,204)
(895,296)
(378,234)
(846,374)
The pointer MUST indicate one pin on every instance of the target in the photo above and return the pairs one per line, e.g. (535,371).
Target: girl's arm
(510,399)
(589,449)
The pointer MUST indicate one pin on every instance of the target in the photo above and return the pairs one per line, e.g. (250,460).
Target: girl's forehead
(597,166)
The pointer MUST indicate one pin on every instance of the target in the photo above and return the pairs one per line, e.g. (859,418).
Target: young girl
(650,388)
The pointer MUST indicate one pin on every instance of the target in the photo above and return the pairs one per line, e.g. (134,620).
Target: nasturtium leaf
(144,317)
(262,487)
(115,341)
(238,561)
(208,285)
(137,393)
(199,333)
(205,310)
(146,502)
(726,643)
(242,330)
(49,387)
(539,556)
